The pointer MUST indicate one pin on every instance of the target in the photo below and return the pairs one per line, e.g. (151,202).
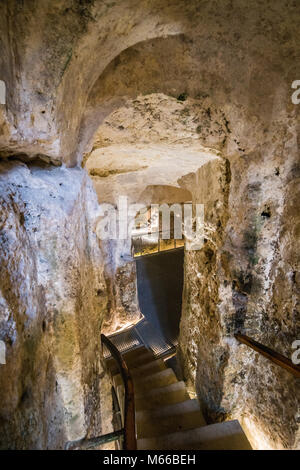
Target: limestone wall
(52,302)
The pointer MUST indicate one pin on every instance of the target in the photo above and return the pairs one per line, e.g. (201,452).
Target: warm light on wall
(256,436)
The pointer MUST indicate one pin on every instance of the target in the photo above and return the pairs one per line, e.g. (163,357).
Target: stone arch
(238,60)
(240,126)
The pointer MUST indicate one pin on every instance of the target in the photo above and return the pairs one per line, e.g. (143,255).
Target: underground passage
(149,225)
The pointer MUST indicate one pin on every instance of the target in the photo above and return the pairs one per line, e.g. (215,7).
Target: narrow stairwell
(166,417)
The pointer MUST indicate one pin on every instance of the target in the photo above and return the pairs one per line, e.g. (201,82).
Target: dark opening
(160,285)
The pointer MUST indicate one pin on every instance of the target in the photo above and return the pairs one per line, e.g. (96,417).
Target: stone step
(163,378)
(134,358)
(148,369)
(161,396)
(220,436)
(170,418)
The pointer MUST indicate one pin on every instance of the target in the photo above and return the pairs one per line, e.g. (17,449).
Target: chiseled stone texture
(67,65)
(237,60)
(141,151)
(246,278)
(120,277)
(52,302)
(66,44)
(55,54)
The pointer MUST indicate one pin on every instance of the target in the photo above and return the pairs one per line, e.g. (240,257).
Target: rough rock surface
(141,151)
(69,64)
(246,278)
(63,47)
(255,129)
(239,66)
(52,303)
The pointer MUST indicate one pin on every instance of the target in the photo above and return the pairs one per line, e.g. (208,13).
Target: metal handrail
(128,431)
(273,356)
(129,408)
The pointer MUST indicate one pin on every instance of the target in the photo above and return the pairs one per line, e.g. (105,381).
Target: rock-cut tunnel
(106,110)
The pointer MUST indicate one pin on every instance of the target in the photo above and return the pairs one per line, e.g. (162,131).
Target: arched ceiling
(240,50)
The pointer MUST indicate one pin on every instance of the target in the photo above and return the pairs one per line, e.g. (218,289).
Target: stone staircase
(166,417)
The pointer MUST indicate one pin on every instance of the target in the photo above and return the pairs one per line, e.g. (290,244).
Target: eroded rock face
(141,152)
(52,302)
(245,279)
(120,277)
(72,64)
(231,285)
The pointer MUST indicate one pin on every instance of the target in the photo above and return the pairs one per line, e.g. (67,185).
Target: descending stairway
(166,417)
